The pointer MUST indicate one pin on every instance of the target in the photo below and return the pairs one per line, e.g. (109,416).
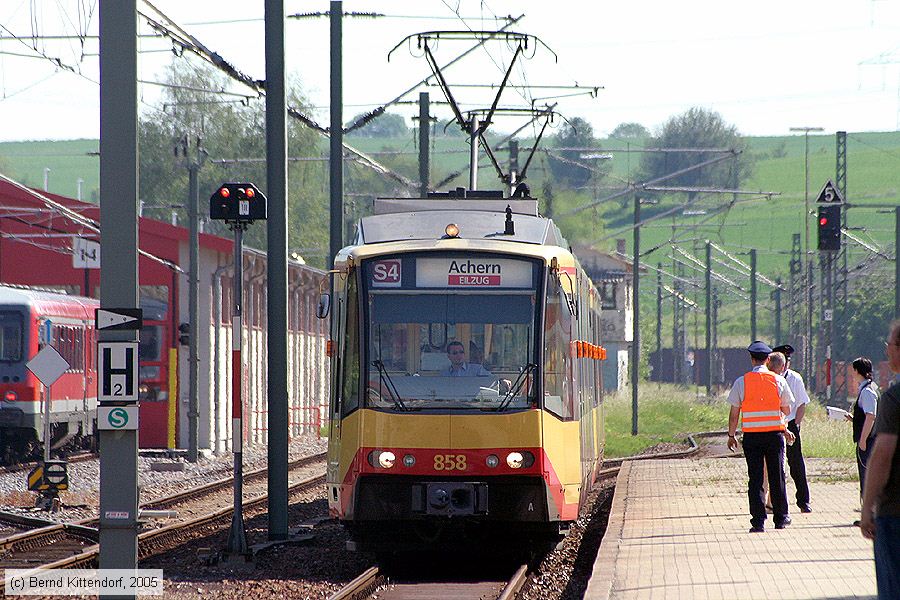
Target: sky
(765,66)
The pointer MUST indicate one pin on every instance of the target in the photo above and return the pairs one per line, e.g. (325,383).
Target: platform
(679,529)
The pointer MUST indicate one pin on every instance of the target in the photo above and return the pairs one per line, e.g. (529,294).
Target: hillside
(765,224)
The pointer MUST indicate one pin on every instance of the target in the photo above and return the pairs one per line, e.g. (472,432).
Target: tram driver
(458,366)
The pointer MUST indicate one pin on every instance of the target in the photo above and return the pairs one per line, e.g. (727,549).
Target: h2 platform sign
(117,372)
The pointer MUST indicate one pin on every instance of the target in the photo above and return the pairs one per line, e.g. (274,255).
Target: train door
(154,367)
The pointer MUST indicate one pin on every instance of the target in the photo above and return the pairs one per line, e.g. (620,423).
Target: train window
(10,336)
(150,346)
(350,380)
(557,363)
(155,302)
(607,290)
(445,351)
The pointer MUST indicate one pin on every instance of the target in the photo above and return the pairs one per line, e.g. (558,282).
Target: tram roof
(400,219)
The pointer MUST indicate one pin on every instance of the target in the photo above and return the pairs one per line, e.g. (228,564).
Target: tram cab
(465,387)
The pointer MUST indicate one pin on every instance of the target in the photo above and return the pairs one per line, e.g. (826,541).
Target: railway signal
(237,202)
(239,205)
(829,226)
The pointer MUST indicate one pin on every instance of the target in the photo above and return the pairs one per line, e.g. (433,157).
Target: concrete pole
(753,296)
(635,303)
(777,294)
(424,143)
(336,135)
(659,296)
(193,310)
(709,301)
(276,296)
(118,246)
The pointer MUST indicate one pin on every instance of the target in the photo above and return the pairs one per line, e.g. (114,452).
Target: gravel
(82,500)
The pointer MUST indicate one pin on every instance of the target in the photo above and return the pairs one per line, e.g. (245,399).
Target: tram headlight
(452,230)
(386,459)
(492,461)
(409,460)
(520,460)
(515,460)
(10,396)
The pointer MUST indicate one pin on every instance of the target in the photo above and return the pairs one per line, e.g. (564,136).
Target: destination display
(473,273)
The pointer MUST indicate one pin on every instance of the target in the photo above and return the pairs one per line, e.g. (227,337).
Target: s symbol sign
(117,418)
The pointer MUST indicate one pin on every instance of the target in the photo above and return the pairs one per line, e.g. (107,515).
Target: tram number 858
(450,462)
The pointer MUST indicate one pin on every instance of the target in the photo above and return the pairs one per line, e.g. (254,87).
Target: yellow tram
(466,390)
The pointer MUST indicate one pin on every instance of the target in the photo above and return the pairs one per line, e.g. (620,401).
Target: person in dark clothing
(796,464)
(881,498)
(863,416)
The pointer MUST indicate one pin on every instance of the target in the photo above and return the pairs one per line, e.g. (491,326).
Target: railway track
(372,583)
(215,487)
(27,466)
(158,540)
(33,541)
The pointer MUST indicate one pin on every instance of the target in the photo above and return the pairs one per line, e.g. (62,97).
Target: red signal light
(250,192)
(224,192)
(823,221)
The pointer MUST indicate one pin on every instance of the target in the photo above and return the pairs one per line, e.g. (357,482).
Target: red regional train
(27,315)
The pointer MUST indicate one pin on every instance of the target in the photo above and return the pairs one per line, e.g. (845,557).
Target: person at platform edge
(761,399)
(881,498)
(796,464)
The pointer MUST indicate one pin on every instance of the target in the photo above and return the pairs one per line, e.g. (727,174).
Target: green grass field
(668,414)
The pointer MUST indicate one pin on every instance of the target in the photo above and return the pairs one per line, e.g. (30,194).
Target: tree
(386,125)
(630,131)
(698,128)
(869,309)
(564,164)
(228,131)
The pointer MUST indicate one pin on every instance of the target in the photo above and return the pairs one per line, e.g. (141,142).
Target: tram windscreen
(10,336)
(443,350)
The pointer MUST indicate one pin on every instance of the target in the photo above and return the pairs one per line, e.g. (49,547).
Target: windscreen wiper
(385,380)
(515,387)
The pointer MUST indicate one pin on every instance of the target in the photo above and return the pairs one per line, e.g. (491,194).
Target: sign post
(48,366)
(238,204)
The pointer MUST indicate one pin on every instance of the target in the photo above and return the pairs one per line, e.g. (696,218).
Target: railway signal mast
(239,205)
(828,226)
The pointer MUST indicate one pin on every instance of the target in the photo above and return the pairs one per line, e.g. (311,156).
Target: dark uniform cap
(759,347)
(785,349)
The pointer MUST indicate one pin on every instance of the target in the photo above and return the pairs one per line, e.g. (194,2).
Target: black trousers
(862,458)
(765,451)
(796,465)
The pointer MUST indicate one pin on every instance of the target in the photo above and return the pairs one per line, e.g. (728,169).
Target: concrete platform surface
(679,529)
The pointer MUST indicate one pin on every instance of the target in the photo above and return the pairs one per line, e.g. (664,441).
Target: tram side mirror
(324,306)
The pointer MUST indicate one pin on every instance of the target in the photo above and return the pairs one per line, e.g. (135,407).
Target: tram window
(350,381)
(557,334)
(150,346)
(155,302)
(408,356)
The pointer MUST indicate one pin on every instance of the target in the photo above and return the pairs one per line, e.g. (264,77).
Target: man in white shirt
(796,464)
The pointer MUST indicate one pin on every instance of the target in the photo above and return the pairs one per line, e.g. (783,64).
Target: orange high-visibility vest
(761,407)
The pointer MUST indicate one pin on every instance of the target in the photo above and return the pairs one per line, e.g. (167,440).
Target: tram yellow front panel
(562,443)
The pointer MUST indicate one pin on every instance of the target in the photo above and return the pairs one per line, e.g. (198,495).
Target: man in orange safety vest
(761,399)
